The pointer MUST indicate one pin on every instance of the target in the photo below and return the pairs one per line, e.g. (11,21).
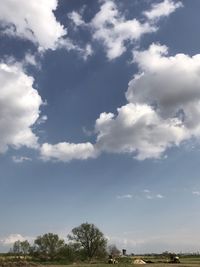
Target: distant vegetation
(86,244)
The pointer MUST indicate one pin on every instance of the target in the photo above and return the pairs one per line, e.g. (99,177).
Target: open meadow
(184,262)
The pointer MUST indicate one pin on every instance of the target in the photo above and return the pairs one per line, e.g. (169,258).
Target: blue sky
(99,121)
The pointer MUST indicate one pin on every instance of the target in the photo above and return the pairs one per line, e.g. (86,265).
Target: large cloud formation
(139,130)
(35,21)
(163,98)
(163,107)
(32,20)
(19,108)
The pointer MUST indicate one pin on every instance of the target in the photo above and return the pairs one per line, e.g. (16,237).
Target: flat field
(185,262)
(188,262)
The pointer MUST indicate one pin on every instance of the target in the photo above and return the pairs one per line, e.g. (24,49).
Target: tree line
(85,242)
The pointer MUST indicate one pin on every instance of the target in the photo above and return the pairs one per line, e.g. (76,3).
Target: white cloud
(87,132)
(169,83)
(42,120)
(146,191)
(87,51)
(32,20)
(127,196)
(76,18)
(67,151)
(20,159)
(162,9)
(163,108)
(111,27)
(154,196)
(30,60)
(139,130)
(12,238)
(159,196)
(67,44)
(19,108)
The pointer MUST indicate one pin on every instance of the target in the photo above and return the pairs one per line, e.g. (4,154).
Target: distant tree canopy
(85,243)
(113,250)
(21,247)
(90,238)
(48,245)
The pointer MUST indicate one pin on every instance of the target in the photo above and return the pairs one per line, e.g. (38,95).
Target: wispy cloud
(159,196)
(20,159)
(126,196)
(146,191)
(163,9)
(154,196)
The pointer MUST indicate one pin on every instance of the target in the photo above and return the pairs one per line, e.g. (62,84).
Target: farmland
(189,261)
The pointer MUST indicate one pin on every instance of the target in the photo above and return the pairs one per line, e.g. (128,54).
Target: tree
(48,245)
(90,238)
(21,247)
(113,250)
(17,247)
(71,252)
(25,247)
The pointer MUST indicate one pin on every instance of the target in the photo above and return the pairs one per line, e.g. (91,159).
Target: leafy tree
(25,247)
(48,245)
(90,238)
(71,252)
(113,250)
(21,247)
(17,247)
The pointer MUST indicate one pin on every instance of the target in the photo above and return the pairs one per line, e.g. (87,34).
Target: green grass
(186,261)
(182,264)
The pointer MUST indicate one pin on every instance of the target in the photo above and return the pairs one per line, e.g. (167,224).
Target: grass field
(185,262)
(182,264)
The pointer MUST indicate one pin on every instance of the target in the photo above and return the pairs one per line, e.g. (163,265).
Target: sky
(99,121)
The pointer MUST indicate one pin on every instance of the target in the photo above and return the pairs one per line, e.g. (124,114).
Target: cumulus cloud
(32,20)
(170,84)
(139,130)
(19,108)
(67,151)
(115,32)
(162,9)
(112,28)
(12,238)
(35,21)
(162,110)
(163,106)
